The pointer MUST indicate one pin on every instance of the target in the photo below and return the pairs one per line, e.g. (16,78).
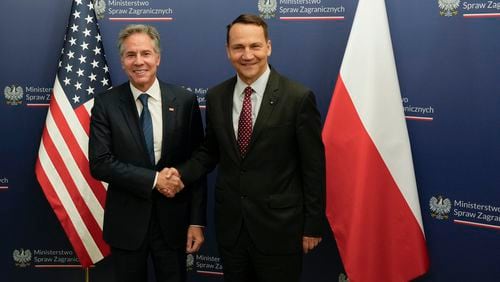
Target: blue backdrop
(448,65)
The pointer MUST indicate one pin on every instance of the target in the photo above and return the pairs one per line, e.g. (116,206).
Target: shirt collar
(258,86)
(153,91)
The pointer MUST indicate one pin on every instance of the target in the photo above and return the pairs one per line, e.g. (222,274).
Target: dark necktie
(245,122)
(147,126)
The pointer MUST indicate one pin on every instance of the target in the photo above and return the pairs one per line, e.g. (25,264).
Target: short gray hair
(139,28)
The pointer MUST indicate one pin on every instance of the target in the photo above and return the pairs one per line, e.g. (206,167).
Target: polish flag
(372,199)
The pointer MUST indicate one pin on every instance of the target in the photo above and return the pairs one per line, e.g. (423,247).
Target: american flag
(62,167)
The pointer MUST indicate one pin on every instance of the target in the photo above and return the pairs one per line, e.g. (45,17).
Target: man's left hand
(195,239)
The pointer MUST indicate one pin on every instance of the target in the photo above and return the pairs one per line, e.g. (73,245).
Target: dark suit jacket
(278,189)
(118,156)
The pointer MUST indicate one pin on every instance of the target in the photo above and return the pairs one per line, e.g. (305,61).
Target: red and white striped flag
(372,199)
(62,167)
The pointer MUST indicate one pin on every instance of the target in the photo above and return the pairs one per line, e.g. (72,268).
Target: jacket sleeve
(312,160)
(205,158)
(199,186)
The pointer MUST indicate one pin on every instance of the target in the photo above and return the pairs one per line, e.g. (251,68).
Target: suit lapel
(169,110)
(129,110)
(269,100)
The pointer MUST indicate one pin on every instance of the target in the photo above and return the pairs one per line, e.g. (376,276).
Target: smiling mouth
(139,72)
(248,64)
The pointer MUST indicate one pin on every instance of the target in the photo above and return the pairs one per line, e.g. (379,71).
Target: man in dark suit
(137,129)
(264,132)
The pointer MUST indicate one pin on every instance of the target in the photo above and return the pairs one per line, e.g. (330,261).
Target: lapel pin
(171,109)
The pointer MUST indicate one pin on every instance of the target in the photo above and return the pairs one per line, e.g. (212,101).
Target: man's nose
(138,60)
(248,54)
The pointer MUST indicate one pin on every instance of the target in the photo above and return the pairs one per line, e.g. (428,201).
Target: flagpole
(87,269)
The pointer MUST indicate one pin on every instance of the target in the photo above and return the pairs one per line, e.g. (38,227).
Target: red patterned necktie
(245,122)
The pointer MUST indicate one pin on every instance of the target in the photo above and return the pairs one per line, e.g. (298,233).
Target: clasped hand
(169,182)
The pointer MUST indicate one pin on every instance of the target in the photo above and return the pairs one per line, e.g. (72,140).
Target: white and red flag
(62,167)
(372,199)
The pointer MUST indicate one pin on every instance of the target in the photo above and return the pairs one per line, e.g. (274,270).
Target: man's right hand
(169,182)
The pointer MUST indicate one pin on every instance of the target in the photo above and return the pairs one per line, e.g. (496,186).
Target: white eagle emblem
(22,258)
(267,8)
(189,262)
(448,7)
(13,95)
(440,207)
(100,8)
(343,278)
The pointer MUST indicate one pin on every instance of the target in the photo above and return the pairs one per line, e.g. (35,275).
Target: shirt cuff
(156,178)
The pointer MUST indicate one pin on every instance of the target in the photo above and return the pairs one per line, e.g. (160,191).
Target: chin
(141,81)
(249,74)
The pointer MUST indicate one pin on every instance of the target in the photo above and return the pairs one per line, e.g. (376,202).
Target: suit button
(243,197)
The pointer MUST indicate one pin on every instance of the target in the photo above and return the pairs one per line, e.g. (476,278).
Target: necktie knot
(248,91)
(144,99)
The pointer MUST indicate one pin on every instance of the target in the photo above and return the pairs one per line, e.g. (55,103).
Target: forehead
(246,32)
(138,40)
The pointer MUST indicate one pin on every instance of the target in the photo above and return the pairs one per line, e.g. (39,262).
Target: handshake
(169,182)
